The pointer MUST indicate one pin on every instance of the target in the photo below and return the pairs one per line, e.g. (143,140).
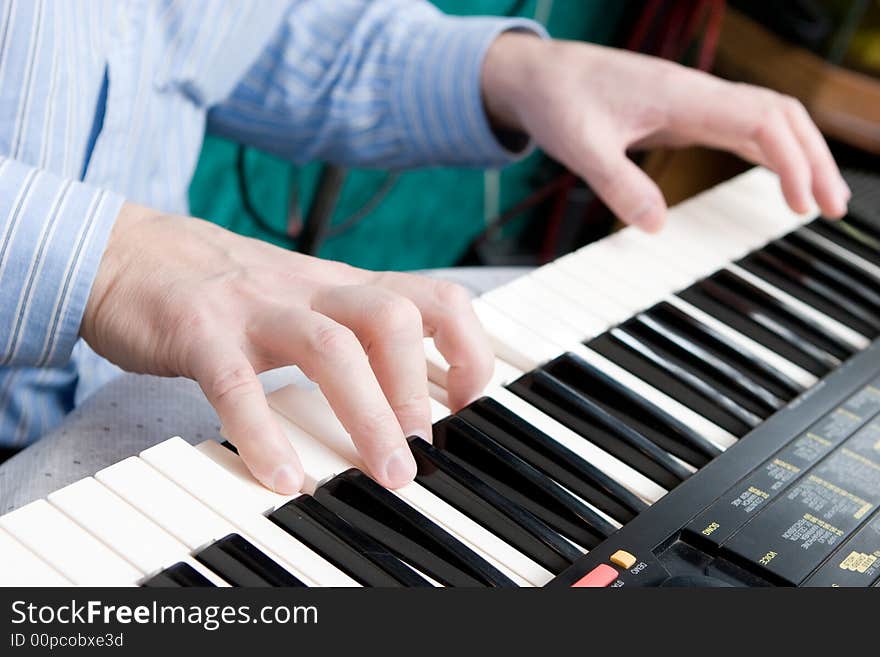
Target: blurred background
(827,53)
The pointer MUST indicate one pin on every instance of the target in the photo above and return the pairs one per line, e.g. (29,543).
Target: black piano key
(475,498)
(813,291)
(677,388)
(520,482)
(405,532)
(581,414)
(862,229)
(741,318)
(553,459)
(826,248)
(831,270)
(663,429)
(349,549)
(703,359)
(180,575)
(662,361)
(241,563)
(835,233)
(742,314)
(785,313)
(862,232)
(768,375)
(817,248)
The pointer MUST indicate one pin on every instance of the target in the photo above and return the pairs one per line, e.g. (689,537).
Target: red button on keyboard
(601,575)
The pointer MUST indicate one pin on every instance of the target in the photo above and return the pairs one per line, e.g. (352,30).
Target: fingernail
(842,200)
(419,433)
(400,468)
(845,191)
(286,480)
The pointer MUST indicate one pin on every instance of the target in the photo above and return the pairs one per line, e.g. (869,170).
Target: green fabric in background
(430,215)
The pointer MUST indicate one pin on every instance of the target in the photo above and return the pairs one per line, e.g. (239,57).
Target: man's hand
(177,296)
(587,105)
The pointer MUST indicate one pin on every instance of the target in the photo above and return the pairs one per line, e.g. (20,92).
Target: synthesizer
(695,408)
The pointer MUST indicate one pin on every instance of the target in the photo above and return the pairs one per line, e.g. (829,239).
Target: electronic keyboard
(693,408)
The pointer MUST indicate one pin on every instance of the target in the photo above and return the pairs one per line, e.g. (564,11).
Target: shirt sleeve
(392,83)
(53,233)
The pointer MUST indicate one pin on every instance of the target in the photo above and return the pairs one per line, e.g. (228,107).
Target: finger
(389,326)
(750,121)
(829,188)
(231,386)
(786,157)
(627,190)
(331,356)
(449,318)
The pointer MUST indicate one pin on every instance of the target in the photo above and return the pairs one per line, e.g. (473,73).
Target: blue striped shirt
(103,101)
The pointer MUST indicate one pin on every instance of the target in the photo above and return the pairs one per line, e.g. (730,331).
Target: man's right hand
(178,296)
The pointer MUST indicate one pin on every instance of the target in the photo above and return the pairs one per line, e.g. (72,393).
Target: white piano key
(124,529)
(310,411)
(554,278)
(133,536)
(526,292)
(71,550)
(223,492)
(634,288)
(439,394)
(725,220)
(691,232)
(620,267)
(520,304)
(602,287)
(845,333)
(549,328)
(506,373)
(676,244)
(21,567)
(512,342)
(621,254)
(666,255)
(761,206)
(438,411)
(165,503)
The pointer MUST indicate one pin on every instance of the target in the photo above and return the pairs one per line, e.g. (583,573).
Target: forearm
(52,235)
(374,83)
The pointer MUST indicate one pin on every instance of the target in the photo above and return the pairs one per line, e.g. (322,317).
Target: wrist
(509,76)
(117,255)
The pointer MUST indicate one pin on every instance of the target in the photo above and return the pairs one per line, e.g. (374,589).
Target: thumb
(627,190)
(233,389)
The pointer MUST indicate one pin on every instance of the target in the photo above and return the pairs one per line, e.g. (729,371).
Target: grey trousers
(134,412)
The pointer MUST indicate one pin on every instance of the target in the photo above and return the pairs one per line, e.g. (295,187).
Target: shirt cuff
(438,94)
(53,232)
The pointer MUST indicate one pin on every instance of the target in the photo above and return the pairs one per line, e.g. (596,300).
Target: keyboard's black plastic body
(666,552)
